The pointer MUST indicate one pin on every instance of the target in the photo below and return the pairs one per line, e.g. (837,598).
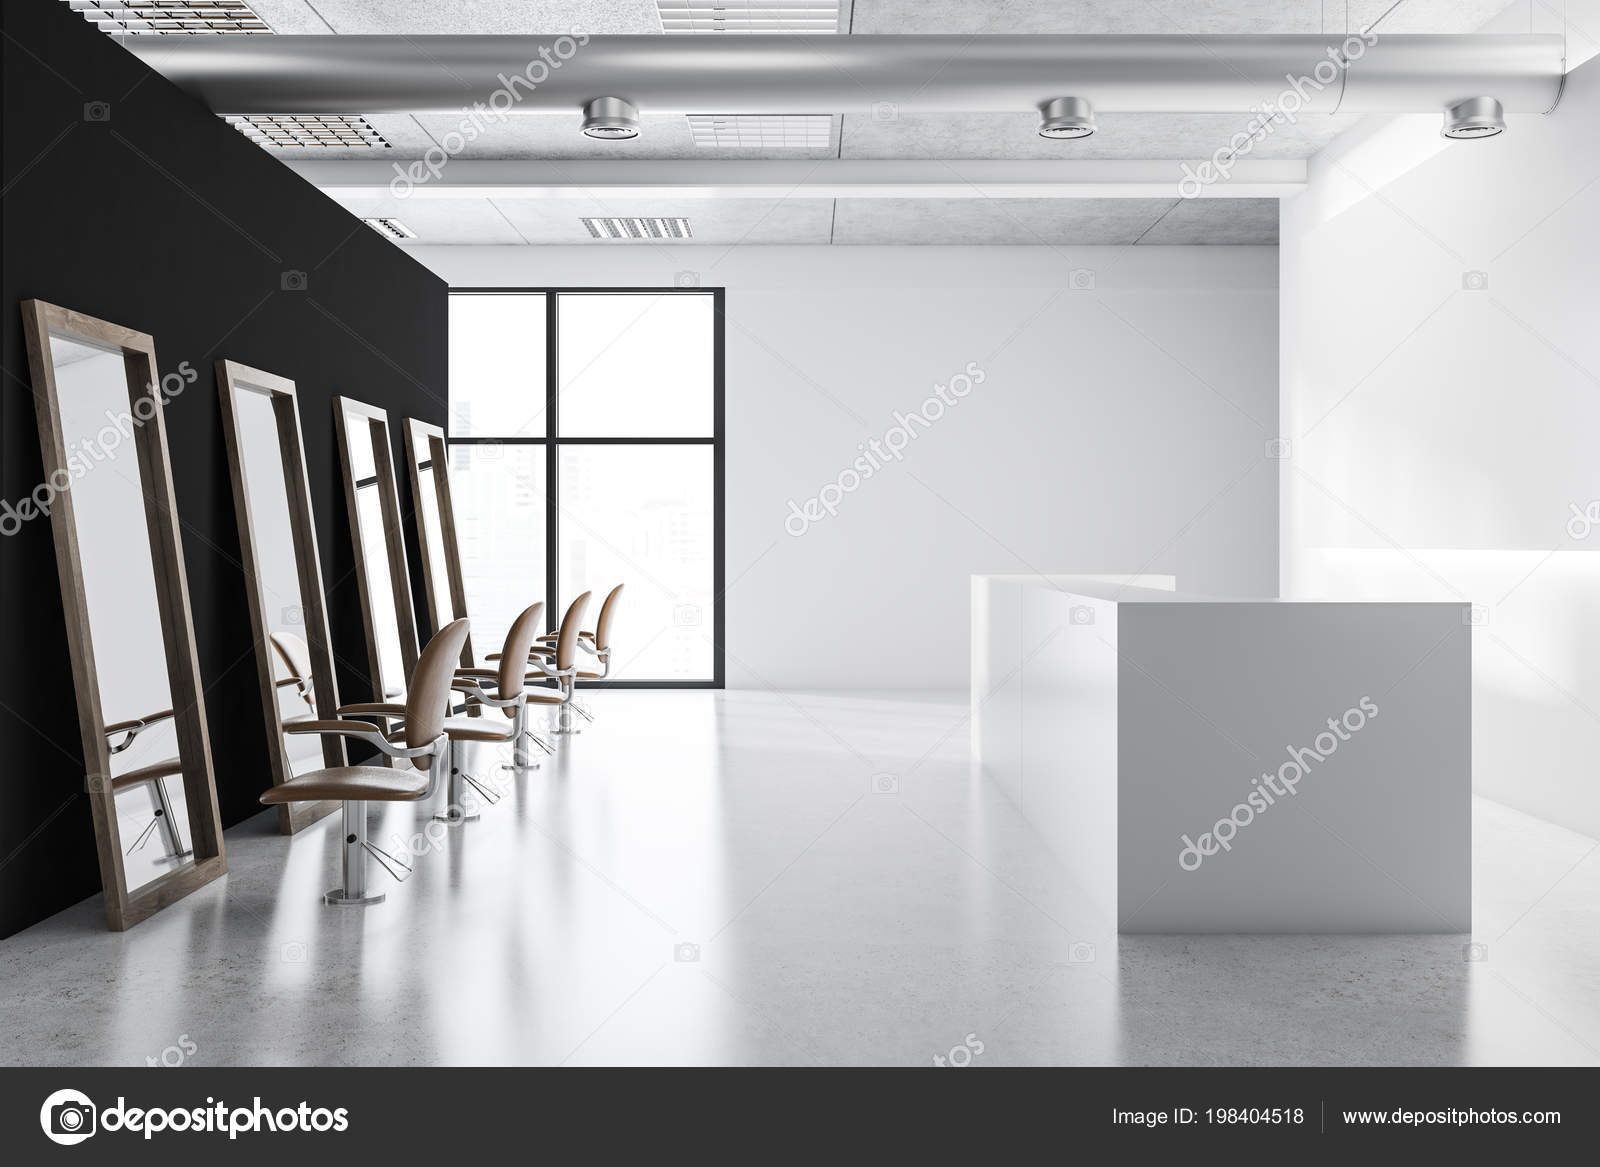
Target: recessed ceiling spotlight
(611,118)
(1066,117)
(1476,117)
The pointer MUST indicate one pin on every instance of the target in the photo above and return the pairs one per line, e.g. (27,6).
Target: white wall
(1120,428)
(1441,431)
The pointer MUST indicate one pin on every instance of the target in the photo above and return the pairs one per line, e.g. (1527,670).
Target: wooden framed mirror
(283,575)
(428,463)
(130,634)
(379,543)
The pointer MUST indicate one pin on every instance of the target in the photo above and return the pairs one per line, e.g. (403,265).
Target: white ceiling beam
(825,179)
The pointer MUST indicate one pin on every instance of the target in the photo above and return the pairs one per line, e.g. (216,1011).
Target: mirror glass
(283,604)
(362,433)
(119,591)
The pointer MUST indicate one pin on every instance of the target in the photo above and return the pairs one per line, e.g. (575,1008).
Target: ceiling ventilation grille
(281,131)
(171,17)
(762,131)
(751,16)
(634,227)
(390,228)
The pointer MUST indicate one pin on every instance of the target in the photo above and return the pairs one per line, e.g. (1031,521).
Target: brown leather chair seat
(478,729)
(351,784)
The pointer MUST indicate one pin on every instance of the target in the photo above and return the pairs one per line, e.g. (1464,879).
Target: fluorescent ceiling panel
(300,130)
(171,17)
(637,227)
(390,228)
(749,16)
(762,131)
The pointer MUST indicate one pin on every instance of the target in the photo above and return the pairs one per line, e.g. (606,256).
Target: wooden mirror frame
(425,444)
(234,379)
(124,909)
(344,409)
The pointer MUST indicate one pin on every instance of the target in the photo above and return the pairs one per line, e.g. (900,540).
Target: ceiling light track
(775,75)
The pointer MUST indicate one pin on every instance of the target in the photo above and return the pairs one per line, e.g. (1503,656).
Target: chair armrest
(469,686)
(369,708)
(361,731)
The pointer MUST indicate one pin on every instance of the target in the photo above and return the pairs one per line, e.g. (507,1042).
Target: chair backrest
(295,655)
(567,639)
(602,626)
(514,657)
(428,703)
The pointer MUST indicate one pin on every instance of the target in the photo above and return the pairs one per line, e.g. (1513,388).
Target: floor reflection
(704,878)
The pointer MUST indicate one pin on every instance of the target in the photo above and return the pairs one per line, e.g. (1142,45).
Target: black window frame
(552,441)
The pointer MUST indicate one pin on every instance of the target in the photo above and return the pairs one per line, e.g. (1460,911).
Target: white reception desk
(1205,765)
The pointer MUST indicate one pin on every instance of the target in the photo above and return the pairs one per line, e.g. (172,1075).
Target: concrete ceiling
(893,136)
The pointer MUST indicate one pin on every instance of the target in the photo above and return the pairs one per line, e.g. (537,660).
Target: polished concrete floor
(791,879)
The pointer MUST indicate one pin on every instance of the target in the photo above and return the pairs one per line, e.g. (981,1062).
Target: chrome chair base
(454,815)
(341,898)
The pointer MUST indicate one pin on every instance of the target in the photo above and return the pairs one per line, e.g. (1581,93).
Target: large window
(586,451)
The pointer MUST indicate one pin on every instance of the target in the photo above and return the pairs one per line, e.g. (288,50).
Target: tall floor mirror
(130,634)
(428,461)
(380,552)
(283,576)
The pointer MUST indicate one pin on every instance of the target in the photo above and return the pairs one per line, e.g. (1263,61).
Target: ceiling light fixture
(171,17)
(748,16)
(289,131)
(1476,117)
(1066,117)
(390,228)
(754,131)
(637,227)
(611,119)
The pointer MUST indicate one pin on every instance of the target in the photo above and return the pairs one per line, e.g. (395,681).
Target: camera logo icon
(1474,953)
(686,953)
(1278,449)
(1474,281)
(686,615)
(1081,614)
(1081,279)
(686,279)
(97,111)
(294,281)
(1081,952)
(885,111)
(67,1117)
(1475,616)
(294,614)
(885,784)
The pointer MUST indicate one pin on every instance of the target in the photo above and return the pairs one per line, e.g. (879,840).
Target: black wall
(165,219)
